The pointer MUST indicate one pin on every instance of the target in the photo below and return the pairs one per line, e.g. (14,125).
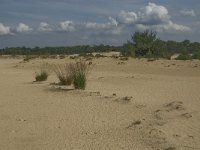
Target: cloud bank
(44,27)
(190,13)
(152,17)
(23,28)
(4,30)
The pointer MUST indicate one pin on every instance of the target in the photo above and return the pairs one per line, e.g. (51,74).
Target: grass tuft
(43,73)
(63,74)
(79,71)
(42,76)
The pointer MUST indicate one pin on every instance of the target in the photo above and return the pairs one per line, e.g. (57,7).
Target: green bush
(79,71)
(73,73)
(43,73)
(79,81)
(42,76)
(184,57)
(196,55)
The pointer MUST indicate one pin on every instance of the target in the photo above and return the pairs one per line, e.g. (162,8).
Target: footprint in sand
(172,110)
(176,105)
(125,99)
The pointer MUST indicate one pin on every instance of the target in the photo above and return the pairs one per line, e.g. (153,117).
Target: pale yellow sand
(164,112)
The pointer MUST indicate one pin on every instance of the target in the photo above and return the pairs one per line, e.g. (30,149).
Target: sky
(43,23)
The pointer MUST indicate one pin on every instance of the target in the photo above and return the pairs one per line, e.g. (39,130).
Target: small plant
(43,74)
(73,57)
(63,73)
(196,55)
(184,57)
(99,56)
(79,81)
(79,72)
(27,58)
(73,73)
(62,56)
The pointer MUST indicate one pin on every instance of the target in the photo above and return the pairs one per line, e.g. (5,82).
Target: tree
(144,42)
(128,49)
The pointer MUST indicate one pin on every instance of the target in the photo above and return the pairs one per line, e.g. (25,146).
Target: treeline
(82,49)
(142,44)
(147,44)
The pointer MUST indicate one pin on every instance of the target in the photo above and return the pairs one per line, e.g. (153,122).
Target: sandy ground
(163,113)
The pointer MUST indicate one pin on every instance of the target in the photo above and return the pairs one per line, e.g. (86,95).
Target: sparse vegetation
(144,44)
(73,73)
(196,55)
(44,72)
(99,56)
(63,73)
(42,76)
(62,56)
(184,57)
(27,58)
(79,72)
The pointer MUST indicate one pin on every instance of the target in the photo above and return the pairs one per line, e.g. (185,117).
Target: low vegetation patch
(27,58)
(64,74)
(73,73)
(43,74)
(79,72)
(62,56)
(99,56)
(184,57)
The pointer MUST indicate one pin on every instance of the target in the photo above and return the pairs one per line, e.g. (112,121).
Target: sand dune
(132,104)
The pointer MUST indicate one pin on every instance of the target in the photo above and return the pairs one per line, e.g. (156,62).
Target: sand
(129,105)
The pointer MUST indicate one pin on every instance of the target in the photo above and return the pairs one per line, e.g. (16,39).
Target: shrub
(86,55)
(73,57)
(62,56)
(196,55)
(79,71)
(184,57)
(43,74)
(27,58)
(63,73)
(99,56)
(73,73)
(45,56)
(53,56)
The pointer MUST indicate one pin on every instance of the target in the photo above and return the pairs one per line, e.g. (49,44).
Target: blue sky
(73,22)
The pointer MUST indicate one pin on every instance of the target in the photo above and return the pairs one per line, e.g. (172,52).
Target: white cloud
(152,16)
(116,31)
(4,29)
(176,27)
(23,28)
(67,26)
(44,27)
(94,25)
(113,21)
(127,17)
(169,27)
(190,13)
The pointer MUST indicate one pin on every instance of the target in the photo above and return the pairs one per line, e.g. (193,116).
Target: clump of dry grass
(73,73)
(63,73)
(43,74)
(79,72)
